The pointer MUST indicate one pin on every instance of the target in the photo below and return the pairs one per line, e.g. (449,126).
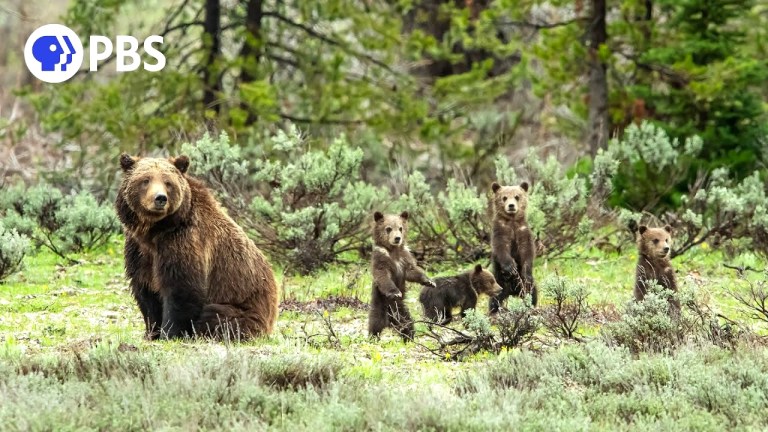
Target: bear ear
(404,215)
(642,229)
(495,186)
(127,162)
(181,163)
(668,229)
(524,185)
(478,268)
(378,216)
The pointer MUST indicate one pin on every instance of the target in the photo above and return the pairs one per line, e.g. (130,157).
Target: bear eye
(401,229)
(655,241)
(168,184)
(517,197)
(145,182)
(504,199)
(389,230)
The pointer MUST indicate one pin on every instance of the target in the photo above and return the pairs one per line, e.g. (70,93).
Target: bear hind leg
(378,320)
(230,322)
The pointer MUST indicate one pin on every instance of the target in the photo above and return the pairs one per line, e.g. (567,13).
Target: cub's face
(655,242)
(390,230)
(510,200)
(154,187)
(484,282)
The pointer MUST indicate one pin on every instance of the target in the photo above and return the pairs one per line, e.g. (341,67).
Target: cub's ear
(642,229)
(524,185)
(181,163)
(478,268)
(668,229)
(127,162)
(378,216)
(495,186)
(404,215)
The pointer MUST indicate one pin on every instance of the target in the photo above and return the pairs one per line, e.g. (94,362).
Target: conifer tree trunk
(212,29)
(599,121)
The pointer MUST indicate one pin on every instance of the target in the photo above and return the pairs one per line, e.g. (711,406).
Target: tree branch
(543,25)
(329,40)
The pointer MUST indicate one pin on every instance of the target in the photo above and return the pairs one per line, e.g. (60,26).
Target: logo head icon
(53,53)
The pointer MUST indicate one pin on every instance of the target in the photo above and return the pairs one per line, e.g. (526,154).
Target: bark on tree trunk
(212,29)
(251,51)
(599,127)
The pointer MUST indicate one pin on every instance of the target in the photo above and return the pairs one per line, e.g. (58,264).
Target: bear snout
(511,208)
(161,200)
(397,240)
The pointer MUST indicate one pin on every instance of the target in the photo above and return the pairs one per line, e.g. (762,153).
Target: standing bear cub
(392,265)
(192,270)
(453,291)
(512,247)
(654,247)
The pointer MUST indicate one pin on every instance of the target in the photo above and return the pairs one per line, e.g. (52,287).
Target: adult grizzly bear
(654,246)
(512,248)
(392,265)
(461,290)
(192,269)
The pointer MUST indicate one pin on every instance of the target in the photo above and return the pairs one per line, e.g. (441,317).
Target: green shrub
(306,207)
(652,167)
(571,307)
(64,224)
(716,210)
(13,248)
(299,371)
(451,225)
(648,325)
(517,323)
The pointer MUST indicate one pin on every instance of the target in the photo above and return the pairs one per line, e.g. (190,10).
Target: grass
(72,357)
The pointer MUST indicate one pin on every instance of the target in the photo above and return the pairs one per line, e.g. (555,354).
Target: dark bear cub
(654,248)
(192,269)
(512,247)
(457,291)
(392,265)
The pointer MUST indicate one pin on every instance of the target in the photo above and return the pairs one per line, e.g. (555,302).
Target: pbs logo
(53,53)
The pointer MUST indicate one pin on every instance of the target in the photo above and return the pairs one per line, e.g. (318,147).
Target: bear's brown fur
(654,248)
(512,247)
(460,290)
(192,269)
(392,265)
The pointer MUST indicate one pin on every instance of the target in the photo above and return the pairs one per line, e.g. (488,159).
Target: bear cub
(192,269)
(461,290)
(654,249)
(392,265)
(512,247)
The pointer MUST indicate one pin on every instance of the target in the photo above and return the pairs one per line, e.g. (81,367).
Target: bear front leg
(384,284)
(414,273)
(151,306)
(137,268)
(470,302)
(182,289)
(417,275)
(501,251)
